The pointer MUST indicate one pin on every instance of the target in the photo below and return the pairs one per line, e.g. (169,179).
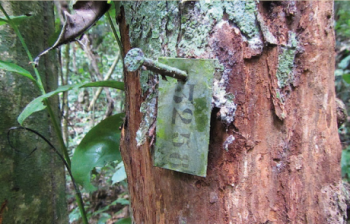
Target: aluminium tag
(183,118)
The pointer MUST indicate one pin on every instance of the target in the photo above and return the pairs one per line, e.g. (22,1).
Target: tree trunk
(283,165)
(32,188)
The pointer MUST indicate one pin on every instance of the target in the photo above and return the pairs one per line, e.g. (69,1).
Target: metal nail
(135,58)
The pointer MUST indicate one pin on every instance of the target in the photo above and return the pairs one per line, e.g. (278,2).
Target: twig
(94,65)
(108,75)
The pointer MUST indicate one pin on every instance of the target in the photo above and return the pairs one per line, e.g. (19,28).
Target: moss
(196,27)
(292,40)
(150,23)
(160,132)
(242,13)
(28,210)
(285,66)
(203,171)
(144,77)
(200,116)
(284,72)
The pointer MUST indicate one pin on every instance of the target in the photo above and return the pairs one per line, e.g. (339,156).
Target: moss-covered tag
(183,119)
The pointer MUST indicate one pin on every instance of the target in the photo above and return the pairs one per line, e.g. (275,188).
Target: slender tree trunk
(32,188)
(274,153)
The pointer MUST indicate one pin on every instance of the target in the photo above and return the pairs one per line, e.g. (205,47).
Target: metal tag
(183,119)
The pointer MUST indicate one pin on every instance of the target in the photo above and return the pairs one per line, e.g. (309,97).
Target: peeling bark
(278,62)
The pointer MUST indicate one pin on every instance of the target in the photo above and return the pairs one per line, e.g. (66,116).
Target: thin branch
(94,65)
(108,75)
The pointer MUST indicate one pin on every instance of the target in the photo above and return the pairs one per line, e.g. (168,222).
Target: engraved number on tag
(184,116)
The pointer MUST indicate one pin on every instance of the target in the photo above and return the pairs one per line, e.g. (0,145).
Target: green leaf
(99,146)
(346,78)
(8,66)
(37,104)
(111,11)
(345,167)
(344,63)
(111,84)
(120,174)
(15,19)
(124,221)
(103,218)
(121,201)
(74,215)
(3,21)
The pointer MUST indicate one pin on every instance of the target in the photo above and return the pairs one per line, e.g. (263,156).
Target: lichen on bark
(148,109)
(197,26)
(286,57)
(174,30)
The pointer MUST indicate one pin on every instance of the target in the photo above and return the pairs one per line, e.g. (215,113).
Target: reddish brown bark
(277,170)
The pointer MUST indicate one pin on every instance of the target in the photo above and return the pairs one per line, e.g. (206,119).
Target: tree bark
(33,187)
(278,62)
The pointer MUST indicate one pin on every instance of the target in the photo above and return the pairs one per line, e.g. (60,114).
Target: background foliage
(90,60)
(342,76)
